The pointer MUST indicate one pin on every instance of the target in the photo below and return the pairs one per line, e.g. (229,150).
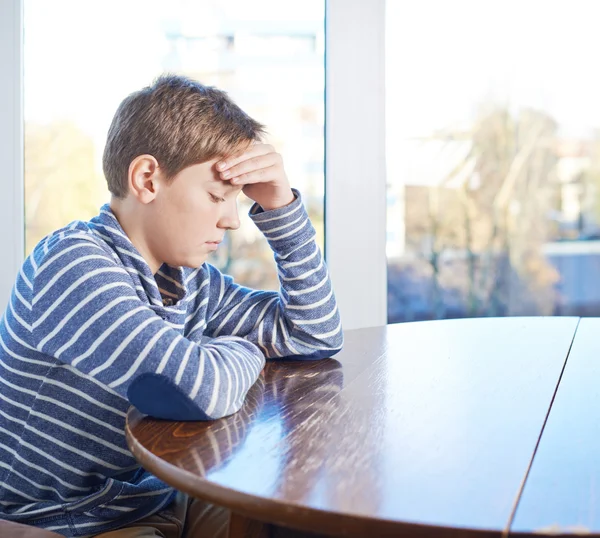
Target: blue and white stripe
(88,324)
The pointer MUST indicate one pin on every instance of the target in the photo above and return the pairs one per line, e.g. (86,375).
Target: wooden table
(416,429)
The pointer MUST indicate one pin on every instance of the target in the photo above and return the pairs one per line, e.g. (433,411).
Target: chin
(193,263)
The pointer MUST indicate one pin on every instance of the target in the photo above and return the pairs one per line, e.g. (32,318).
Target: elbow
(334,344)
(325,354)
(333,341)
(328,347)
(159,397)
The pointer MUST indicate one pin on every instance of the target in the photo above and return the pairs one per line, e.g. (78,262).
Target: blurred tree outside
(590,180)
(479,234)
(61,185)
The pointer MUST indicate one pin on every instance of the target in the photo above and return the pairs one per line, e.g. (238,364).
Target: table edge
(293,515)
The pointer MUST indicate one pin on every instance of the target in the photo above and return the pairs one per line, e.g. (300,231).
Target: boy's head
(178,121)
(159,165)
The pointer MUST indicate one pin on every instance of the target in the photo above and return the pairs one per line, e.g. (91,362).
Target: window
(355,249)
(493,159)
(82,58)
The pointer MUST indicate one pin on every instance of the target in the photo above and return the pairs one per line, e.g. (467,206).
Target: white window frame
(355,189)
(355,212)
(12,225)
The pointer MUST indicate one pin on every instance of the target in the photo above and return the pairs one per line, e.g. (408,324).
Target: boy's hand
(260,171)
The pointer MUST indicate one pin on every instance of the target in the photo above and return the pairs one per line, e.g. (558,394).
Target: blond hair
(180,122)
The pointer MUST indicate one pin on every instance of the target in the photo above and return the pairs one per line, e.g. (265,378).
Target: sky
(445,57)
(83,57)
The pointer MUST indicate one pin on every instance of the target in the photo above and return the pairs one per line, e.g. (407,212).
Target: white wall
(11,145)
(355,220)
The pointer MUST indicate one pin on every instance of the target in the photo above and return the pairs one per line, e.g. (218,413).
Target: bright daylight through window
(267,55)
(493,158)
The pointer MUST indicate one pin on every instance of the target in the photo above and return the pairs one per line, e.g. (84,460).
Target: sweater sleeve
(86,313)
(302,319)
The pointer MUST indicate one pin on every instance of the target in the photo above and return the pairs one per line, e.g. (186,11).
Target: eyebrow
(227,184)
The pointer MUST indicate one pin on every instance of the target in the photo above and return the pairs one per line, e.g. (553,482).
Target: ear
(144,178)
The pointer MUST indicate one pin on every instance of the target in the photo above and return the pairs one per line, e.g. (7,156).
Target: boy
(123,310)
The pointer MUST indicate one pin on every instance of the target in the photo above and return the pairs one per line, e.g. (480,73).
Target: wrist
(279,202)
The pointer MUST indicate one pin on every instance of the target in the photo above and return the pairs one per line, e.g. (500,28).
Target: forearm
(85,313)
(214,385)
(302,319)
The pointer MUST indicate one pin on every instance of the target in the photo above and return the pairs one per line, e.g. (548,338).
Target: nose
(229,219)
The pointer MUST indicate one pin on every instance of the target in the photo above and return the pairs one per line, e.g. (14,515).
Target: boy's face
(190,215)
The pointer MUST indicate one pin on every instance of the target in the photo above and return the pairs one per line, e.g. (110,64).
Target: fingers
(262,175)
(255,150)
(262,167)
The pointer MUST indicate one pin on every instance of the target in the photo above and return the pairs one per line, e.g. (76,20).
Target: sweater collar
(166,287)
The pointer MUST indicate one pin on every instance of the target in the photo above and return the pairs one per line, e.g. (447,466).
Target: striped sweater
(90,330)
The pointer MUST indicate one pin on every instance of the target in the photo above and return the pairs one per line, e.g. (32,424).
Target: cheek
(186,203)
(187,214)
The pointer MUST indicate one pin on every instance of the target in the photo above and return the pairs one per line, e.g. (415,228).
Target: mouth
(213,245)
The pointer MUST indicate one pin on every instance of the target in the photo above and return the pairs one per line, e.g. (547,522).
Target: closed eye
(216,199)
